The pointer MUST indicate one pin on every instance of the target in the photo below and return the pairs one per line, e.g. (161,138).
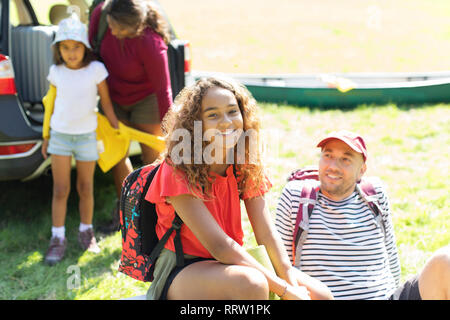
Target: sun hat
(72,29)
(353,140)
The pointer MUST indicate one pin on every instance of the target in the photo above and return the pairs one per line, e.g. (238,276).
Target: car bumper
(23,166)
(15,129)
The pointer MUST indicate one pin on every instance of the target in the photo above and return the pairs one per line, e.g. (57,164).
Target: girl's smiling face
(72,53)
(221,116)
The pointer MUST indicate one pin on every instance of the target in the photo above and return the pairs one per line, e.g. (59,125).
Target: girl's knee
(85,189)
(61,191)
(251,284)
(440,260)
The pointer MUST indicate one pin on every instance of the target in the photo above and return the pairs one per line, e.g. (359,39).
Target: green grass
(416,179)
(408,147)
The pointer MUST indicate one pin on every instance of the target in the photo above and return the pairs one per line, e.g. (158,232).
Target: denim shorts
(82,146)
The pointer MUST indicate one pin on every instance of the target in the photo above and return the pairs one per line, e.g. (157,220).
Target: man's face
(340,167)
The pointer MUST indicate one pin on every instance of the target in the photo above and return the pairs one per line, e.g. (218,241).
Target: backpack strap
(177,223)
(369,194)
(101,30)
(308,198)
(305,173)
(176,226)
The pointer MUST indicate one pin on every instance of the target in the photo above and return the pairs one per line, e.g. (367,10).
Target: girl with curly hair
(203,180)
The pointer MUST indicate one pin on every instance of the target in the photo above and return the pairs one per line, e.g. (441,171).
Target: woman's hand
(44,148)
(113,121)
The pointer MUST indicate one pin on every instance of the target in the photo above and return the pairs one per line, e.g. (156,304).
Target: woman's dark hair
(89,55)
(138,14)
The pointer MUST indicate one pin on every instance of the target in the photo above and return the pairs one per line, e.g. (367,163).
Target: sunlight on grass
(35,257)
(416,179)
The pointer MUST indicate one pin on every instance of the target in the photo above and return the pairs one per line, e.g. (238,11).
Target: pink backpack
(308,199)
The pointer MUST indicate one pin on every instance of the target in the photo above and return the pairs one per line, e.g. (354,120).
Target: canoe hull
(370,88)
(331,97)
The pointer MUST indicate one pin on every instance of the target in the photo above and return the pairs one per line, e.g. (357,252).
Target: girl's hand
(296,293)
(317,289)
(44,148)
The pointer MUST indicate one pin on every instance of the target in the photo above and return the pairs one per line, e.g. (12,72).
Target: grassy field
(407,149)
(408,146)
(301,36)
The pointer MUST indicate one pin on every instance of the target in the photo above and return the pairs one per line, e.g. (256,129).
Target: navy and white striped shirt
(344,248)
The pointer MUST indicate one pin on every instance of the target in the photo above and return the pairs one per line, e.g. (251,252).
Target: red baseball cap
(353,140)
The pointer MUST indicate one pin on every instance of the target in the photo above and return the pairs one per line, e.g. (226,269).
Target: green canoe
(363,88)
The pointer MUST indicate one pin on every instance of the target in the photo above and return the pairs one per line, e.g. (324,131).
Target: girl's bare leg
(85,188)
(213,280)
(61,167)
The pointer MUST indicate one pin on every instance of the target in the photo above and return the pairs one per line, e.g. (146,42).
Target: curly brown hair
(138,14)
(187,109)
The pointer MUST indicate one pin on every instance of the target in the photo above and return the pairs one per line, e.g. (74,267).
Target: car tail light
(187,57)
(7,85)
(16,149)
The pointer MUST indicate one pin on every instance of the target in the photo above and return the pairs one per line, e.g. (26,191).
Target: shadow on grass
(29,202)
(25,275)
(25,230)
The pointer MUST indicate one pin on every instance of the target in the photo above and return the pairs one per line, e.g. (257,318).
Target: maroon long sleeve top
(137,66)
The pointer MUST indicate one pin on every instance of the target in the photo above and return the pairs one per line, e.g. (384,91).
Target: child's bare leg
(216,281)
(85,188)
(61,166)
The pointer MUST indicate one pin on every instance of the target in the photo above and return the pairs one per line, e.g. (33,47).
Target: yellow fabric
(49,103)
(342,84)
(114,142)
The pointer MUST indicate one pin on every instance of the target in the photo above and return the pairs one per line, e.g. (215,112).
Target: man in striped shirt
(344,247)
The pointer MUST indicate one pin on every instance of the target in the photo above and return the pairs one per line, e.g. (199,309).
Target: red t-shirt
(225,207)
(137,66)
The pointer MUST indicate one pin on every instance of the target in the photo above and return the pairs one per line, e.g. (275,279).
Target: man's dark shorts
(408,291)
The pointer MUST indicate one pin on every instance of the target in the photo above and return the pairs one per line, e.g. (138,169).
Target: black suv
(27,29)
